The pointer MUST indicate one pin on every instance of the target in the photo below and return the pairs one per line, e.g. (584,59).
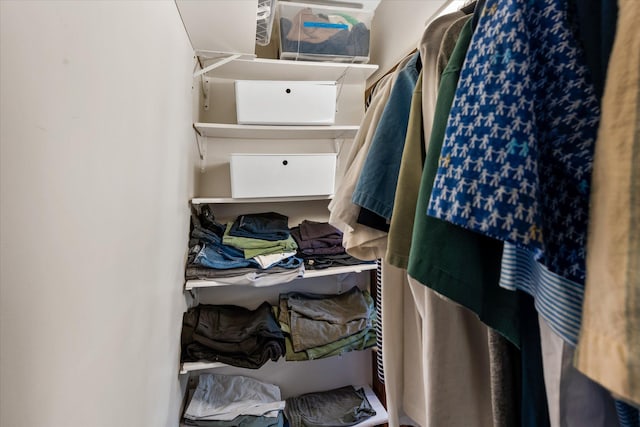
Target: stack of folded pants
(234,401)
(210,258)
(318,326)
(233,335)
(342,407)
(260,234)
(320,245)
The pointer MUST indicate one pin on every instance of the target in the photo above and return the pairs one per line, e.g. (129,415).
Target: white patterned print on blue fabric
(516,160)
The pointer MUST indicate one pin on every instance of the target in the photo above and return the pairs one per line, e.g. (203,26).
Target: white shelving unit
(232,67)
(231,200)
(216,130)
(224,130)
(381,416)
(308,274)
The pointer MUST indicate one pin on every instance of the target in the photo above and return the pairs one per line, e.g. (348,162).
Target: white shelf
(187,367)
(244,68)
(231,200)
(199,366)
(308,274)
(381,416)
(223,130)
(332,271)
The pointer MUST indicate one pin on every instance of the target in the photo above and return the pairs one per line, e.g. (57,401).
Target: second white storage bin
(282,175)
(285,102)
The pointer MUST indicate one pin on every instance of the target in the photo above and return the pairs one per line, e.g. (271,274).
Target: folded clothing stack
(260,234)
(320,245)
(234,401)
(267,256)
(342,407)
(233,335)
(318,326)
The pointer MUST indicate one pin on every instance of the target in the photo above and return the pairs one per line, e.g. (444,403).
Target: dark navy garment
(269,226)
(376,187)
(516,161)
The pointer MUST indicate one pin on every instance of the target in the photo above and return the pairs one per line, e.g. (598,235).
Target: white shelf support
(219,63)
(202,148)
(204,84)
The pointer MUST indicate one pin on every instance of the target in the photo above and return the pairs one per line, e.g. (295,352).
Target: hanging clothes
(458,264)
(378,179)
(609,345)
(524,160)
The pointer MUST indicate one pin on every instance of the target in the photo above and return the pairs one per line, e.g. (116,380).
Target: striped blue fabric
(557,299)
(380,368)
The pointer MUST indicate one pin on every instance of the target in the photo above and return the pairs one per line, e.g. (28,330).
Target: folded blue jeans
(269,226)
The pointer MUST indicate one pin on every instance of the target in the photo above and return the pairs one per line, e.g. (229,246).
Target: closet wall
(397,26)
(97,155)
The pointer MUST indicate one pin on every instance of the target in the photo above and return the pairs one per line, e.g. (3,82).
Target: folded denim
(254,247)
(225,397)
(220,256)
(241,421)
(231,334)
(269,226)
(341,407)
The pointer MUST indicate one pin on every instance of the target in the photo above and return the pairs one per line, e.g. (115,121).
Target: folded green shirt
(255,247)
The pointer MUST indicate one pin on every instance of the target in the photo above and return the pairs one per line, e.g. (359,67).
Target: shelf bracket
(217,64)
(192,299)
(202,148)
(204,84)
(337,145)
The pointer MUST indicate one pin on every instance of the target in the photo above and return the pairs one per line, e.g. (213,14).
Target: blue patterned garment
(516,161)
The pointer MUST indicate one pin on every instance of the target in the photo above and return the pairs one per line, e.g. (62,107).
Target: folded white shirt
(224,397)
(268,260)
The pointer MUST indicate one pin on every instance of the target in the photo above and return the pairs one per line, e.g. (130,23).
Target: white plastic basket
(264,21)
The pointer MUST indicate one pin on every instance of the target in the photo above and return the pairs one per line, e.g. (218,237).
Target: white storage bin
(282,175)
(324,33)
(285,102)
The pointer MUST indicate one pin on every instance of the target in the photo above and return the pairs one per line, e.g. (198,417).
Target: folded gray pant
(240,421)
(341,407)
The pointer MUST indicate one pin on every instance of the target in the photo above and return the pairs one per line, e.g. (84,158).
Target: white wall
(96,168)
(397,28)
